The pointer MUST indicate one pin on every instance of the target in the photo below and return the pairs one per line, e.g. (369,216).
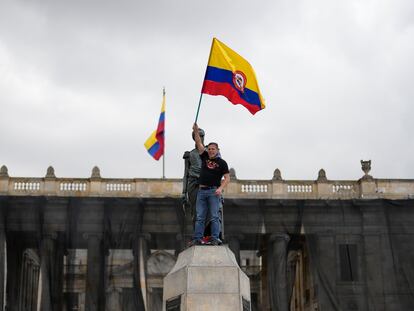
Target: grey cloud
(82,85)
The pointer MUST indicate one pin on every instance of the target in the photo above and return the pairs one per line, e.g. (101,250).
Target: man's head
(212,150)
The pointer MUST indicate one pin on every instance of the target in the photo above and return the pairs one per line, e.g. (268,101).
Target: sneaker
(194,242)
(215,242)
(205,240)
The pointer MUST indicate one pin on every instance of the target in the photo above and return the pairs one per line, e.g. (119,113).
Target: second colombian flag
(230,75)
(155,144)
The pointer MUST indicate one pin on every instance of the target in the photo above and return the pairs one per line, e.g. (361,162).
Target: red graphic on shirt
(211,164)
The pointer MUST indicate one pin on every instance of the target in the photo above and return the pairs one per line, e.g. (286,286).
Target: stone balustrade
(365,188)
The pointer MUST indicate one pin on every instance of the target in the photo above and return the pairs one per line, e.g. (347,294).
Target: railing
(254,187)
(27,186)
(73,186)
(299,188)
(270,189)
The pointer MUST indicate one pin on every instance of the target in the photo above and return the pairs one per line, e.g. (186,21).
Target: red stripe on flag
(228,91)
(159,152)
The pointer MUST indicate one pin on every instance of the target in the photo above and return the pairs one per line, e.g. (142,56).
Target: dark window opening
(173,304)
(71,301)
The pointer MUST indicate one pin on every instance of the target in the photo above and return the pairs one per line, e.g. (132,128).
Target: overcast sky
(81,85)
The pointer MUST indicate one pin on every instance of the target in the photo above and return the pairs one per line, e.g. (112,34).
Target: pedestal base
(206,278)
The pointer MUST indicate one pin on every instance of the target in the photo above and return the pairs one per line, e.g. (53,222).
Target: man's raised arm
(199,144)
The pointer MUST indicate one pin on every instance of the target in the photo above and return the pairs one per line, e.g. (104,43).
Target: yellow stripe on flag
(151,140)
(221,56)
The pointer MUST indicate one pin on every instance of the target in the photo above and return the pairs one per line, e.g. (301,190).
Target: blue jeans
(207,201)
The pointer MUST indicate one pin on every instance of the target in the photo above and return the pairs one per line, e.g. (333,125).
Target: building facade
(106,244)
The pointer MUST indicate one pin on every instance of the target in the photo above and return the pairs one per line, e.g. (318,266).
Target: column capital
(90,235)
(112,289)
(280,236)
(50,235)
(145,236)
(237,236)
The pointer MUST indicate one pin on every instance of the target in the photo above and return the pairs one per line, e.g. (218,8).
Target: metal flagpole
(163,164)
(163,156)
(198,109)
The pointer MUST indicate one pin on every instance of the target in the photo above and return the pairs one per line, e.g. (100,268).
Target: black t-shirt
(212,170)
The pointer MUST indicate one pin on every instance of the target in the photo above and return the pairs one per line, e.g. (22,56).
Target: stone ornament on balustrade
(277,175)
(322,176)
(4,171)
(96,173)
(366,168)
(50,173)
(232,172)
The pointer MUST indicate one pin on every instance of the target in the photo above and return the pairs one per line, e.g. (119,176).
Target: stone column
(2,252)
(58,270)
(48,262)
(234,245)
(322,248)
(277,275)
(24,283)
(139,250)
(35,288)
(81,301)
(95,275)
(113,300)
(14,264)
(179,243)
(30,284)
(181,235)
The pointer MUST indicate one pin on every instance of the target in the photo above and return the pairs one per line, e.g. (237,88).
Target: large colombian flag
(155,143)
(230,75)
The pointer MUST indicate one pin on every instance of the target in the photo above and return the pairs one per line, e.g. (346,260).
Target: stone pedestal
(206,278)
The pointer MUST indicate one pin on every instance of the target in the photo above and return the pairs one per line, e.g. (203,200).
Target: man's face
(212,151)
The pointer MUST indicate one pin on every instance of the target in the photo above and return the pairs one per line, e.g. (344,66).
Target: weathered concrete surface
(207,278)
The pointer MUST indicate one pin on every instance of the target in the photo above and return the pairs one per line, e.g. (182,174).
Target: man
(192,167)
(211,185)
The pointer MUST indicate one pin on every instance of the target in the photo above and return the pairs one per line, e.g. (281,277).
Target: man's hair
(215,144)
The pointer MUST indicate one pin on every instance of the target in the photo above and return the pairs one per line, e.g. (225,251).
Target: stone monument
(206,278)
